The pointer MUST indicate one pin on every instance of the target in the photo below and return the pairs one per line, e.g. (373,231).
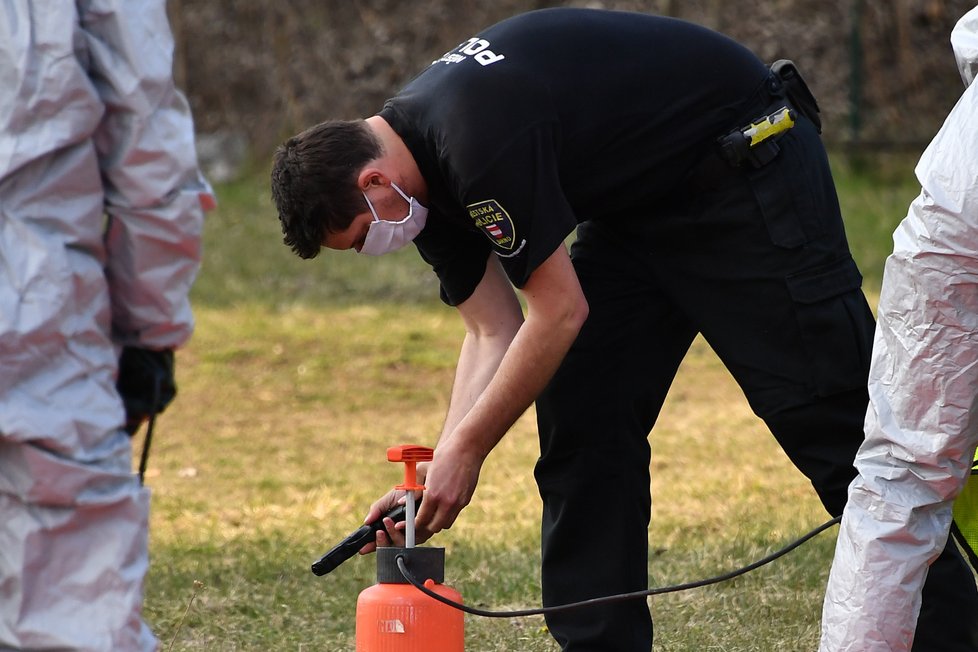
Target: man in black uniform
(607,122)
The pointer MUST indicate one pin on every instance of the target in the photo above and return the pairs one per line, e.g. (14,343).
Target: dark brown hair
(314,181)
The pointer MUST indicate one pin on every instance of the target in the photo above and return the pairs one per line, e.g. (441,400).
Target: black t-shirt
(558,116)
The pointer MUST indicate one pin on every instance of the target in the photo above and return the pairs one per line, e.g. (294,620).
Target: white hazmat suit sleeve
(922,422)
(90,125)
(153,200)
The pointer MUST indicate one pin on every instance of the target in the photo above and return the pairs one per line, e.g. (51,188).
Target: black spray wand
(352,544)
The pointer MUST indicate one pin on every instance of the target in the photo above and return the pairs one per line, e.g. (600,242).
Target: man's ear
(370,177)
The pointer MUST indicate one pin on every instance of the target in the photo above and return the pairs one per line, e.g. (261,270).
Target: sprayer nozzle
(344,550)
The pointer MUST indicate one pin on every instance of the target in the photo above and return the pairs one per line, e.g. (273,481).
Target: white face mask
(385,236)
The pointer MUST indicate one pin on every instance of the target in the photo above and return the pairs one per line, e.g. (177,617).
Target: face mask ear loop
(370,206)
(401,193)
(410,204)
(403,196)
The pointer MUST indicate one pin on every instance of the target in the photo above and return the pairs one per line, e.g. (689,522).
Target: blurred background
(256,71)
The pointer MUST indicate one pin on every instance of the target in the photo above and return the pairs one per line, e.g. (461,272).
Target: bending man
(628,129)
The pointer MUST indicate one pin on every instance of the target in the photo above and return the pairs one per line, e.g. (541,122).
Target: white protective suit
(100,221)
(922,422)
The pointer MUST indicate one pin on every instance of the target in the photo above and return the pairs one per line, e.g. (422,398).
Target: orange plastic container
(400,618)
(394,616)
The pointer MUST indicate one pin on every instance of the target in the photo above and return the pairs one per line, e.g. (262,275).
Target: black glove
(145,384)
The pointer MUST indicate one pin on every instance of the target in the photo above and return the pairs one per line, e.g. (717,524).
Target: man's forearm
(556,310)
(522,373)
(478,362)
(499,376)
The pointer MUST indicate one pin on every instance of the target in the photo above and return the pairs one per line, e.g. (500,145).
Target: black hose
(402,565)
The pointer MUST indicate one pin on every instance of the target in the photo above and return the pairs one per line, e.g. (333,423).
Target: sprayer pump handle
(410,453)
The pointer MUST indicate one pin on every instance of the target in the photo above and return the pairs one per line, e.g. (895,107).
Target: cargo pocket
(836,325)
(784,192)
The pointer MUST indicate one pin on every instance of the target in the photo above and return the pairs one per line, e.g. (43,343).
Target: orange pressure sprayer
(392,615)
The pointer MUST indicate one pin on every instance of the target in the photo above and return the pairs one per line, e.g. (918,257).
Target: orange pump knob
(410,455)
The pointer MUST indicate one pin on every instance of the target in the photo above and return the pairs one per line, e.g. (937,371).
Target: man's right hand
(452,477)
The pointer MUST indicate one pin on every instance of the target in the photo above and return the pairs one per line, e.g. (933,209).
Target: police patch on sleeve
(493,220)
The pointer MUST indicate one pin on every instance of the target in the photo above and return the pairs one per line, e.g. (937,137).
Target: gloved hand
(145,383)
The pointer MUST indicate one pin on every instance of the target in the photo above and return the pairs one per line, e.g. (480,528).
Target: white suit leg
(922,422)
(90,125)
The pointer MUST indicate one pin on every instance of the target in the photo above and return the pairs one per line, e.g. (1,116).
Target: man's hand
(393,533)
(452,477)
(390,535)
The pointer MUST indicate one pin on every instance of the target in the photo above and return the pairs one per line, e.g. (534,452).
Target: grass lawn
(302,373)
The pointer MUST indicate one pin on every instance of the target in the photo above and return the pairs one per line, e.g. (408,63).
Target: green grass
(301,373)
(245,262)
(874,193)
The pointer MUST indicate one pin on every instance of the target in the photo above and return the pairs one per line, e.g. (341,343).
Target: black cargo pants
(757,261)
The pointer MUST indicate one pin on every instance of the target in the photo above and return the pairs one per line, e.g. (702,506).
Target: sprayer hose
(402,565)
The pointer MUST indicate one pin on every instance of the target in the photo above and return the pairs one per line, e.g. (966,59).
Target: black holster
(797,91)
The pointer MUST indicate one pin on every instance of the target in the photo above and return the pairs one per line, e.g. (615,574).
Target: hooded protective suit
(100,221)
(922,422)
